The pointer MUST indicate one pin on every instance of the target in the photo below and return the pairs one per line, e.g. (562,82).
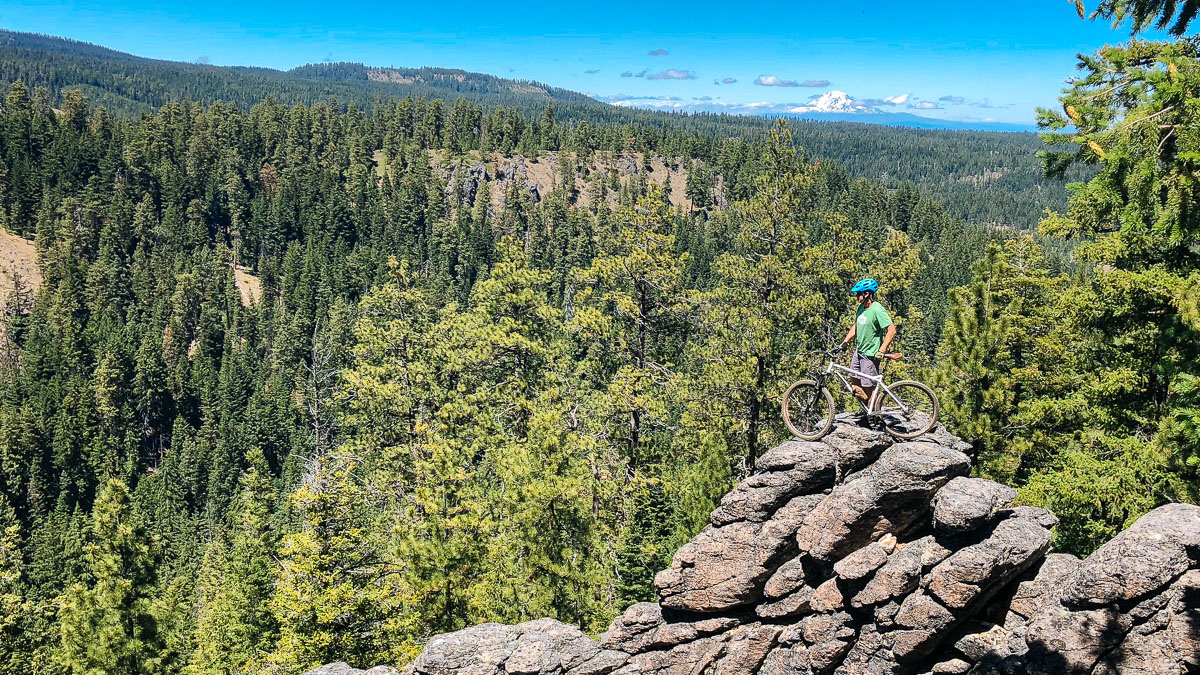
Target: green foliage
(332,594)
(1000,341)
(1081,391)
(107,620)
(14,645)
(1142,14)
(235,629)
(452,402)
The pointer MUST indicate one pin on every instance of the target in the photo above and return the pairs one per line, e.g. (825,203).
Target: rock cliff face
(859,555)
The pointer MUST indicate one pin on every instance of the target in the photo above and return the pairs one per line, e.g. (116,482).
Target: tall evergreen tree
(107,621)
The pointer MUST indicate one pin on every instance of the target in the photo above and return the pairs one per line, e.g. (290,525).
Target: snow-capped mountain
(833,102)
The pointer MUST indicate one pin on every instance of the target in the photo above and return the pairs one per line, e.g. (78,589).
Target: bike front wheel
(808,410)
(911,410)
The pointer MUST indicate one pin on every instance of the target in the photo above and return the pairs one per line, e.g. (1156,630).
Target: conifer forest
(307,370)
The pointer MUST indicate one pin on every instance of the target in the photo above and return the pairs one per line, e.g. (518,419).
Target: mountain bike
(906,409)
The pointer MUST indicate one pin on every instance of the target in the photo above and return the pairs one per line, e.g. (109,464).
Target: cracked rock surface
(856,555)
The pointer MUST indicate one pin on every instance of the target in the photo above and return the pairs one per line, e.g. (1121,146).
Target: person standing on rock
(873,332)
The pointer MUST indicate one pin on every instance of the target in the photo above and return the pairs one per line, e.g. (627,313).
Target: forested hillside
(433,372)
(982,177)
(494,370)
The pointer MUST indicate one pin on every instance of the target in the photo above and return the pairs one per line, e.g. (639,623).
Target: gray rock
(786,471)
(888,496)
(906,644)
(1011,548)
(633,630)
(828,597)
(720,569)
(898,577)
(871,655)
(1145,649)
(790,660)
(541,647)
(1043,517)
(862,562)
(342,668)
(602,663)
(1183,623)
(967,504)
(827,639)
(979,639)
(786,580)
(921,611)
(856,445)
(1067,641)
(831,597)
(1033,594)
(784,524)
(642,628)
(885,615)
(820,628)
(726,567)
(686,659)
(483,649)
(799,602)
(746,649)
(1167,641)
(1139,561)
(950,667)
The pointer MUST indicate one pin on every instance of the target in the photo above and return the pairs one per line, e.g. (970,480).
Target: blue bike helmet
(865,285)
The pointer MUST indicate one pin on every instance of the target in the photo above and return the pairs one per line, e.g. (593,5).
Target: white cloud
(672,74)
(899,99)
(925,105)
(772,81)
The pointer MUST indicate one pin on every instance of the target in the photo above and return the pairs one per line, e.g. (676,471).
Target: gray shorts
(864,364)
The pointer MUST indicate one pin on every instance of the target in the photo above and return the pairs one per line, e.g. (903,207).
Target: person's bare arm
(887,339)
(850,334)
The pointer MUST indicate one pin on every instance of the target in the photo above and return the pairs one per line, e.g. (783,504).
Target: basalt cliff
(857,554)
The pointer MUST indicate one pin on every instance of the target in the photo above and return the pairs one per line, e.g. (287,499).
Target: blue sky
(954,60)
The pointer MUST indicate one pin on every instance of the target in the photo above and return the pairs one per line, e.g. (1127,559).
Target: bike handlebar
(834,353)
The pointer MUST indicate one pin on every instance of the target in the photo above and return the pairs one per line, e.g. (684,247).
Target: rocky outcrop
(858,555)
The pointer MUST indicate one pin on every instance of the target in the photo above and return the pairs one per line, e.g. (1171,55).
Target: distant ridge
(131,85)
(977,173)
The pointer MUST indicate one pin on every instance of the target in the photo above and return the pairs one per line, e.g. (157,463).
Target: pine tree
(332,592)
(629,312)
(991,357)
(14,643)
(236,629)
(107,621)
(643,549)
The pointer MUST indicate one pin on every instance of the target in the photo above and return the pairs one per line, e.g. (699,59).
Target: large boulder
(541,647)
(1154,551)
(887,497)
(792,469)
(966,504)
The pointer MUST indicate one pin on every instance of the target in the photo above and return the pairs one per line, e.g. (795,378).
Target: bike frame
(834,368)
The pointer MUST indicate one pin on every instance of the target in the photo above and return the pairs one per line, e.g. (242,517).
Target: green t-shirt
(872,323)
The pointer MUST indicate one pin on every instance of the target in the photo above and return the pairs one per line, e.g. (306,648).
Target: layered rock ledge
(859,555)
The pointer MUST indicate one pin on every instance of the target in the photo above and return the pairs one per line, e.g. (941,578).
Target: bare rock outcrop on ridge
(858,555)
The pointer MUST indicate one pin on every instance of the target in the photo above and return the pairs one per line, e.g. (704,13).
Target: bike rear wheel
(808,410)
(913,414)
